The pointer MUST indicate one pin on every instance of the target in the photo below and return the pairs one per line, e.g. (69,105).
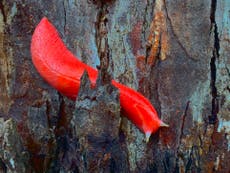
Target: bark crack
(3,12)
(145,25)
(102,43)
(158,97)
(228,71)
(3,167)
(64,8)
(183,121)
(145,19)
(181,134)
(215,55)
(175,35)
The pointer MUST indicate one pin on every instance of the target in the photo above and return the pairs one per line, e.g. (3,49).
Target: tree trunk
(176,53)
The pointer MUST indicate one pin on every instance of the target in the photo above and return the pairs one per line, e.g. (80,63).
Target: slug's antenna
(163,124)
(147,136)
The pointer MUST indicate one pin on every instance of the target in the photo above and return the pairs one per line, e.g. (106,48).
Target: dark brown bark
(173,52)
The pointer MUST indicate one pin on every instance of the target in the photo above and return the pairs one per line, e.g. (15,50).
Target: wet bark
(176,53)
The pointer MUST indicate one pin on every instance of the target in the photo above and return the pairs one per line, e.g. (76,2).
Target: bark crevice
(178,155)
(215,55)
(3,12)
(3,167)
(102,44)
(64,8)
(175,35)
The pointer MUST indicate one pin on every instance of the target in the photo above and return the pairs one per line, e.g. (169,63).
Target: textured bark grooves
(176,53)
(100,148)
(215,56)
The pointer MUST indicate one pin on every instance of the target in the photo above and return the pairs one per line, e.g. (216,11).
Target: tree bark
(174,52)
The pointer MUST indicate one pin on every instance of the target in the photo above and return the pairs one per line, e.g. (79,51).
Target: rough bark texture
(176,53)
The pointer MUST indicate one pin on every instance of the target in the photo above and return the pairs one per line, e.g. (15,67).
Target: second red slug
(62,70)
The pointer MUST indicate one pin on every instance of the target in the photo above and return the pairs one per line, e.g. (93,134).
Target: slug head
(149,122)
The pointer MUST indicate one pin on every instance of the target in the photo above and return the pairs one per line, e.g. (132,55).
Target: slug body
(63,71)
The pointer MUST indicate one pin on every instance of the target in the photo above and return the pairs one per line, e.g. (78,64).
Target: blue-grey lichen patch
(223,17)
(12,152)
(198,100)
(224,125)
(121,51)
(223,67)
(223,82)
(12,13)
(80,35)
(136,145)
(93,50)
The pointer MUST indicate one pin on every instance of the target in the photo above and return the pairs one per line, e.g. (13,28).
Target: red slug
(63,71)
